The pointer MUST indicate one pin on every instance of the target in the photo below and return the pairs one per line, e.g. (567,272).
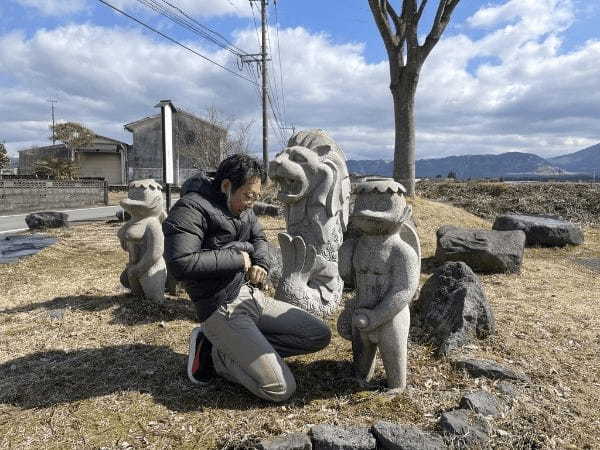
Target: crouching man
(216,247)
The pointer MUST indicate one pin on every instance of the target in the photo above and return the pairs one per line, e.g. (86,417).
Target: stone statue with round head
(383,263)
(143,239)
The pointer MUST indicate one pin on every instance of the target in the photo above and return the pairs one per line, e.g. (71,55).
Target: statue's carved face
(378,212)
(143,201)
(295,169)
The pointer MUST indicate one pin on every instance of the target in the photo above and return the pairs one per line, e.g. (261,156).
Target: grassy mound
(110,372)
(578,202)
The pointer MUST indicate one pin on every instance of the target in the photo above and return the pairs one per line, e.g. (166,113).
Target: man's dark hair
(238,168)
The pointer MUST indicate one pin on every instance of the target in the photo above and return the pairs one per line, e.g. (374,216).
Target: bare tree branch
(421,8)
(442,18)
(381,20)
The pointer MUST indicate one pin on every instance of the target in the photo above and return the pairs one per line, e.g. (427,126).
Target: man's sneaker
(200,367)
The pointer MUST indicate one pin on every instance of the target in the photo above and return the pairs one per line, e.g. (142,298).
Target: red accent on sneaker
(196,364)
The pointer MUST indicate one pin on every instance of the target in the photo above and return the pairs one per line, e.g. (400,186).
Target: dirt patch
(107,370)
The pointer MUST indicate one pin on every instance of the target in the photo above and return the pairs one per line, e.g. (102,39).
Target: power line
(175,41)
(279,61)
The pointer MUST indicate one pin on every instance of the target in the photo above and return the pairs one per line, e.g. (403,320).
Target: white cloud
(54,7)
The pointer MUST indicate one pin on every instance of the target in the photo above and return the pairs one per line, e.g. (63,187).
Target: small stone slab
(331,437)
(542,231)
(489,369)
(46,219)
(481,402)
(14,247)
(452,309)
(466,425)
(394,436)
(292,441)
(485,251)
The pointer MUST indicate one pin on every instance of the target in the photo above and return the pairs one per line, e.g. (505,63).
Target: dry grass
(111,372)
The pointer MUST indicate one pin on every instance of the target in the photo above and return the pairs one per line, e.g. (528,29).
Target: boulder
(469,428)
(452,309)
(485,251)
(541,231)
(292,441)
(265,209)
(331,437)
(393,436)
(489,369)
(481,402)
(46,219)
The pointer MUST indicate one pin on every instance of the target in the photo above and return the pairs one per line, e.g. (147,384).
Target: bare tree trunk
(403,94)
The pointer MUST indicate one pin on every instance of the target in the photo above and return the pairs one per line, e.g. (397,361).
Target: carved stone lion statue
(314,184)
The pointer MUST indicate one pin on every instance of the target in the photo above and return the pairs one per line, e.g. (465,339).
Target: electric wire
(176,41)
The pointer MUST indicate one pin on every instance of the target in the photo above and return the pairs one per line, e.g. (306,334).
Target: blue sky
(508,75)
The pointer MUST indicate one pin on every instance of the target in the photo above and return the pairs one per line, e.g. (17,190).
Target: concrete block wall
(18,196)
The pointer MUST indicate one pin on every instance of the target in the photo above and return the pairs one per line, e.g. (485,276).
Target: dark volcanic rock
(489,369)
(265,209)
(46,219)
(540,230)
(466,425)
(481,402)
(485,251)
(393,436)
(452,308)
(293,441)
(331,437)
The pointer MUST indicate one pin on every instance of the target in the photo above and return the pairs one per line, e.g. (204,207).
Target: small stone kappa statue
(143,239)
(384,264)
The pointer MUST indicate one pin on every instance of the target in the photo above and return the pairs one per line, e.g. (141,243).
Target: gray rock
(46,219)
(452,309)
(468,427)
(122,215)
(489,369)
(506,388)
(393,436)
(541,230)
(481,402)
(485,251)
(265,209)
(331,437)
(292,441)
(57,314)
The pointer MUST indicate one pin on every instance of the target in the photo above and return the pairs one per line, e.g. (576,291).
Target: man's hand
(257,274)
(247,261)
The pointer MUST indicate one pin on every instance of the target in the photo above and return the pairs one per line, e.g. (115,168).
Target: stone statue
(143,239)
(384,263)
(315,187)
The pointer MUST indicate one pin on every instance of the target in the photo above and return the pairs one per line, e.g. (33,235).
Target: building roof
(130,126)
(61,145)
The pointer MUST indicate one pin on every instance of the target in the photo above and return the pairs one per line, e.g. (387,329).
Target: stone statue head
(380,206)
(144,199)
(312,169)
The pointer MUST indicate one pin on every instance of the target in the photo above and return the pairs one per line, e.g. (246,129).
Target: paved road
(14,223)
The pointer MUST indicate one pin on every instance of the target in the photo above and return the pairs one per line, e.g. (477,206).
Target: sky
(507,75)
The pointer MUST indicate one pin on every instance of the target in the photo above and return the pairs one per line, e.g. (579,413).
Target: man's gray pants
(252,334)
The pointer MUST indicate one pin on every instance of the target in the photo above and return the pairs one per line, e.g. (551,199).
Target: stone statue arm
(184,231)
(404,279)
(153,248)
(345,254)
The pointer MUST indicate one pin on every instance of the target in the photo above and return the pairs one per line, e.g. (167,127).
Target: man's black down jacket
(203,241)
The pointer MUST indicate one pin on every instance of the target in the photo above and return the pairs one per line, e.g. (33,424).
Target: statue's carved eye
(297,157)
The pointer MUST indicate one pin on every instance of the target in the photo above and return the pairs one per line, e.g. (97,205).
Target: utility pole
(53,101)
(263,61)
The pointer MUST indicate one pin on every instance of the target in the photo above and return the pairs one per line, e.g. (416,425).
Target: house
(197,145)
(105,157)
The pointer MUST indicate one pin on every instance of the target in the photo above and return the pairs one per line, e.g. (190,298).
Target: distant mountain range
(507,165)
